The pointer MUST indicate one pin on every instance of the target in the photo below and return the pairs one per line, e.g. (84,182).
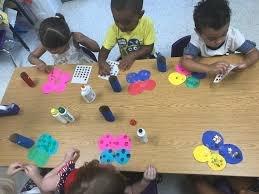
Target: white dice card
(114,65)
(81,74)
(220,77)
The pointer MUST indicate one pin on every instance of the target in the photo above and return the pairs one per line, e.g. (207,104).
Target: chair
(89,53)
(178,47)
(6,45)
(23,12)
(20,9)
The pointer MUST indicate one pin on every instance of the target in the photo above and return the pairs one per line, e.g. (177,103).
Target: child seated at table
(92,177)
(225,185)
(214,36)
(64,45)
(7,183)
(133,32)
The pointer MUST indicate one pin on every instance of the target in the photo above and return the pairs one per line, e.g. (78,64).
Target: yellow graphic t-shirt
(143,34)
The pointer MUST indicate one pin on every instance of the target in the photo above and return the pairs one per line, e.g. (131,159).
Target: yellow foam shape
(217,162)
(176,78)
(202,153)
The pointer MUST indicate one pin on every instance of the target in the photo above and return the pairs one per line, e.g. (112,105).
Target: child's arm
(137,188)
(128,60)
(51,180)
(72,154)
(33,172)
(34,59)
(250,58)
(104,68)
(86,42)
(194,66)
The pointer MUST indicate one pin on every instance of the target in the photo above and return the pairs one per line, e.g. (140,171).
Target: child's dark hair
(54,32)
(92,178)
(134,5)
(211,13)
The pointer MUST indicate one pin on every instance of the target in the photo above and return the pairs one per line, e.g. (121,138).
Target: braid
(54,32)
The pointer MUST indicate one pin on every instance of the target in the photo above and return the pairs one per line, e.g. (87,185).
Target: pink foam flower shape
(57,81)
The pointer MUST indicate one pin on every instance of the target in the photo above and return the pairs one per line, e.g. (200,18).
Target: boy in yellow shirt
(133,32)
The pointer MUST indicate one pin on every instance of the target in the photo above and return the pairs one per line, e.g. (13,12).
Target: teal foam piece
(192,82)
(47,143)
(38,156)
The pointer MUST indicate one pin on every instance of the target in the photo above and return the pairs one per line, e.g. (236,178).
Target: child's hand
(14,168)
(31,170)
(44,68)
(218,68)
(150,173)
(73,154)
(126,63)
(48,69)
(104,68)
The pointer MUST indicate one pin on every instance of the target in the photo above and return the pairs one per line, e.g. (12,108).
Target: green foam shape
(192,82)
(39,156)
(48,143)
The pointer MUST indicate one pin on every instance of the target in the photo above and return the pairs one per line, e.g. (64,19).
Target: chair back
(178,47)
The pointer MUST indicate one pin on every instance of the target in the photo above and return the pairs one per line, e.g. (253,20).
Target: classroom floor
(173,19)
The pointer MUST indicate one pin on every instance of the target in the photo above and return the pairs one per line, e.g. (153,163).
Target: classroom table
(175,117)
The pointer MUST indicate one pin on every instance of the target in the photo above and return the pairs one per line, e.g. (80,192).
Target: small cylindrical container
(115,84)
(27,79)
(66,114)
(88,93)
(142,135)
(107,113)
(55,113)
(21,140)
(161,63)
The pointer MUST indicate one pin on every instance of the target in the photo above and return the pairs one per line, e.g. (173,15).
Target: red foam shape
(150,84)
(135,89)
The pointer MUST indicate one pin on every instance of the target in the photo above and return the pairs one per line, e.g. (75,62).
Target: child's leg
(241,183)
(203,187)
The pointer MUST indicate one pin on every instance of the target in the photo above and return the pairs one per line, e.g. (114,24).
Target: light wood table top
(175,117)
